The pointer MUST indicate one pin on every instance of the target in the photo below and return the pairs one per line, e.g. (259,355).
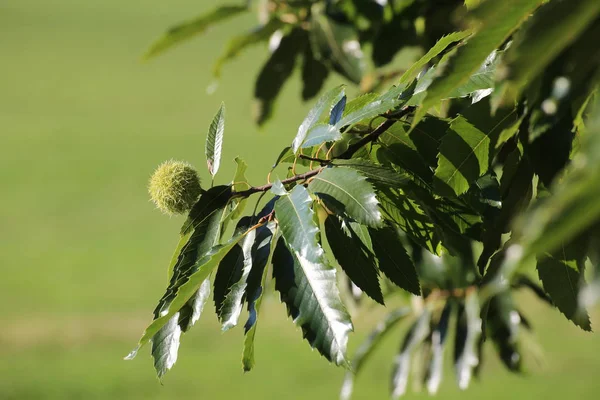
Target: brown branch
(371,137)
(264,188)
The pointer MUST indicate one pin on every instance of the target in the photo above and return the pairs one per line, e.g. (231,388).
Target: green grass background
(83,254)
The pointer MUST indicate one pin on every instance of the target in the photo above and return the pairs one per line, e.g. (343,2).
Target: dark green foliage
(482,159)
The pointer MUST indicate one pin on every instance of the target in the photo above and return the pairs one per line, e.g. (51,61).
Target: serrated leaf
(464,157)
(180,291)
(415,335)
(375,173)
(439,47)
(353,256)
(275,72)
(370,110)
(213,199)
(214,141)
(369,345)
(494,23)
(543,37)
(393,260)
(468,331)
(230,280)
(337,44)
(313,117)
(241,42)
(481,81)
(188,29)
(321,133)
(438,340)
(561,273)
(306,282)
(347,191)
(262,253)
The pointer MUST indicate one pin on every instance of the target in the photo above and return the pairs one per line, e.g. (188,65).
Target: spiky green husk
(174,187)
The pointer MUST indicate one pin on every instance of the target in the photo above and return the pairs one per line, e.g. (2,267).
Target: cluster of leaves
(483,160)
(323,37)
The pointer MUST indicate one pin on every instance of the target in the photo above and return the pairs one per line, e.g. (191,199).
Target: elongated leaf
(241,42)
(502,326)
(416,334)
(495,22)
(369,345)
(481,83)
(240,182)
(553,27)
(464,157)
(369,110)
(438,341)
(213,199)
(353,256)
(439,47)
(323,105)
(314,74)
(165,344)
(214,141)
(337,44)
(345,190)
(375,173)
(306,282)
(561,273)
(393,260)
(337,111)
(275,72)
(184,288)
(468,331)
(321,133)
(188,29)
(262,253)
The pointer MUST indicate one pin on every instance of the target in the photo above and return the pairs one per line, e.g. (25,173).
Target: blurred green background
(83,253)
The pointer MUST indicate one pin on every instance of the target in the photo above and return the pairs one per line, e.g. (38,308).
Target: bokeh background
(83,254)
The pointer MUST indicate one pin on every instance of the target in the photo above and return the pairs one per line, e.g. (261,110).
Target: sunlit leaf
(214,141)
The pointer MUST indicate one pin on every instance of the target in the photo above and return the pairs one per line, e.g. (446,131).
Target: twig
(264,188)
(319,160)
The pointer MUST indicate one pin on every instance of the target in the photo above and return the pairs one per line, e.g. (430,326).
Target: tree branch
(371,137)
(264,188)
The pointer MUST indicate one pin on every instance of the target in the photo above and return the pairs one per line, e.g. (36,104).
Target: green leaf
(262,253)
(275,72)
(495,22)
(165,344)
(183,289)
(375,173)
(468,331)
(214,141)
(345,190)
(353,256)
(439,47)
(371,109)
(439,333)
(230,280)
(321,133)
(464,157)
(213,199)
(502,326)
(552,28)
(415,335)
(369,345)
(240,182)
(306,282)
(561,273)
(393,260)
(316,113)
(481,82)
(188,29)
(241,42)
(337,44)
